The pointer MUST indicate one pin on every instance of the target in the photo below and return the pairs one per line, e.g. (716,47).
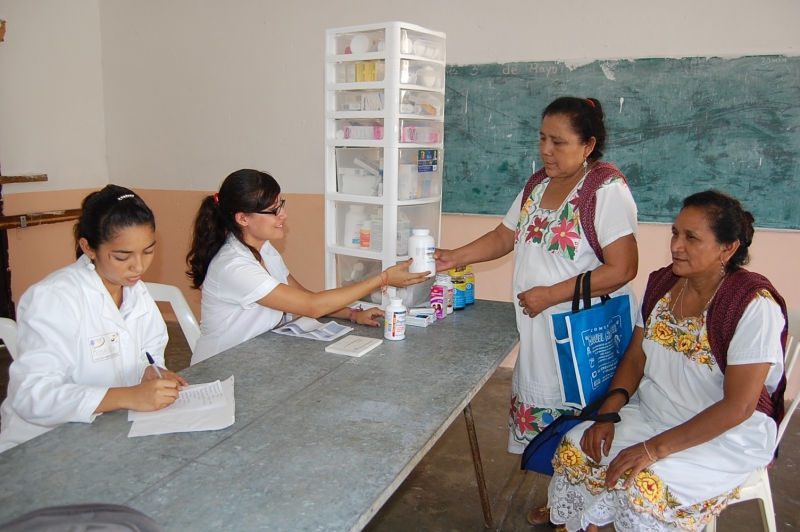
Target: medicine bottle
(394,320)
(443,280)
(420,248)
(352,226)
(459,288)
(469,279)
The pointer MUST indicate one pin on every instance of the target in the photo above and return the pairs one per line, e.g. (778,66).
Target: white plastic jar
(394,320)
(352,226)
(420,248)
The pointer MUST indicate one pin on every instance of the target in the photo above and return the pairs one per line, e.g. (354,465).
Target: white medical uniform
(235,281)
(73,345)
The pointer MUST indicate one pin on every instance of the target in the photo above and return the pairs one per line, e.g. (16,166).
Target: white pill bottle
(420,248)
(394,320)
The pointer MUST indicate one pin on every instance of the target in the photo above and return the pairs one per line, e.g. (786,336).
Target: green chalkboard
(675,127)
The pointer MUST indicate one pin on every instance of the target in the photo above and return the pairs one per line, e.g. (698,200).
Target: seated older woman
(706,364)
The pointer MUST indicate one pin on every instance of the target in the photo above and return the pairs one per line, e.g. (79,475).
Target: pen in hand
(153,364)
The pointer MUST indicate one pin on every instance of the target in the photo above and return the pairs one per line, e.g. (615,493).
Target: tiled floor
(441,493)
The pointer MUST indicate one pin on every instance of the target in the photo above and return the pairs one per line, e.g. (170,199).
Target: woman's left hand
(534,301)
(634,460)
(367,317)
(150,374)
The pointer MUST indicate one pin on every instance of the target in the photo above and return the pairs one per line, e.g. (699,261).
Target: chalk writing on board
(675,126)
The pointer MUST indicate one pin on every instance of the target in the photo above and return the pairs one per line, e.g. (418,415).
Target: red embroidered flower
(564,235)
(536,230)
(524,418)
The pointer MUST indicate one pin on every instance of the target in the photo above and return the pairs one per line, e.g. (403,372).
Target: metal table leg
(476,460)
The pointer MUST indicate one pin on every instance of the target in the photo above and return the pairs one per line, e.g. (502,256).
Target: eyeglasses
(276,211)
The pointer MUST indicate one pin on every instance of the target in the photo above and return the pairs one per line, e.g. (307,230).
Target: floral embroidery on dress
(688,336)
(558,230)
(648,493)
(526,421)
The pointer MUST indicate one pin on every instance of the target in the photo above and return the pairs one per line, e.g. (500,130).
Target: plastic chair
(173,296)
(8,333)
(757,485)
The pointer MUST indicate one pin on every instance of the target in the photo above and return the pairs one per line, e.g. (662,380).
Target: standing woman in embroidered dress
(85,330)
(247,289)
(576,214)
(706,359)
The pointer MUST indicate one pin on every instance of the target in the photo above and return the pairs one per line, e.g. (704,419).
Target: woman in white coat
(85,330)
(247,288)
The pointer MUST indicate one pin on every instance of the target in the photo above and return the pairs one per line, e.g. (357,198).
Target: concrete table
(320,441)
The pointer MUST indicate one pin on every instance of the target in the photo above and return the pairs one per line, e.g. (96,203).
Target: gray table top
(320,441)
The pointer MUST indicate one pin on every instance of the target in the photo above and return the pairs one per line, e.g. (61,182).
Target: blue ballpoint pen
(153,363)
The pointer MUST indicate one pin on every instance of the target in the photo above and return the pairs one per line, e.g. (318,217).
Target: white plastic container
(394,324)
(403,233)
(420,248)
(352,226)
(443,280)
(376,231)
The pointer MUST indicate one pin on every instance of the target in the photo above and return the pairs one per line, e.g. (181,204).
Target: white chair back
(173,296)
(8,333)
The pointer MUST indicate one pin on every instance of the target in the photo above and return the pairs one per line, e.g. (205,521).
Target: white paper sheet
(304,327)
(201,408)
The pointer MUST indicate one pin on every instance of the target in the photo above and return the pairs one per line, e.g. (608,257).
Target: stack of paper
(354,346)
(207,406)
(310,328)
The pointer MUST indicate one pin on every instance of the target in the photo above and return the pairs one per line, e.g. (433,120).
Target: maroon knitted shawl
(587,198)
(736,292)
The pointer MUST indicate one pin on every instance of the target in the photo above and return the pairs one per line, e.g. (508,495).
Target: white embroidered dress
(549,247)
(681,379)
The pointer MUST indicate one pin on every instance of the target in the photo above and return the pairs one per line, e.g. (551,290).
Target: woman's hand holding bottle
(400,277)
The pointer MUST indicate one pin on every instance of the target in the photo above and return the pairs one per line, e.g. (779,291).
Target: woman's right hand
(598,438)
(445,259)
(400,277)
(154,395)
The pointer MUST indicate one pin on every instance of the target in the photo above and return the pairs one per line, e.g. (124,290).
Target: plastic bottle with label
(459,288)
(443,280)
(469,278)
(421,246)
(394,320)
(366,233)
(352,226)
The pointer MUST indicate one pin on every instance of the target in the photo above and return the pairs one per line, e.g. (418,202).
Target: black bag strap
(583,283)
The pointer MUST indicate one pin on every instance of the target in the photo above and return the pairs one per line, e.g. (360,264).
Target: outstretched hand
(400,277)
(445,259)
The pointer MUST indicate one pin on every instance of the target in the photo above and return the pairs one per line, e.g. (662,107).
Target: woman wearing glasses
(246,287)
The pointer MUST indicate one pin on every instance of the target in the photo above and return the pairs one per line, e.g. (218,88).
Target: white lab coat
(73,345)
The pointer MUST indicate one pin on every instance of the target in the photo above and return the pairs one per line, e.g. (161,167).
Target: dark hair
(106,212)
(243,191)
(586,117)
(729,222)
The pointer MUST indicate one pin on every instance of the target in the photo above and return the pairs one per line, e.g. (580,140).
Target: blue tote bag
(538,454)
(589,343)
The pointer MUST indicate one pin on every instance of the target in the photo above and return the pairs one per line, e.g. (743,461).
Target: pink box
(437,301)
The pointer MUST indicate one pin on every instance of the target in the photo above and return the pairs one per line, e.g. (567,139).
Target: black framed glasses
(276,211)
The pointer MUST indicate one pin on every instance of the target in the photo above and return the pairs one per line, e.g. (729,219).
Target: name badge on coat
(104,347)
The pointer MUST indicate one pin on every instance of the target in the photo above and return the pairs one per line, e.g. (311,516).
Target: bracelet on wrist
(353,311)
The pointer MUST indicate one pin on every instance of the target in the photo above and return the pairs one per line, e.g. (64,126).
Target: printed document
(209,406)
(304,327)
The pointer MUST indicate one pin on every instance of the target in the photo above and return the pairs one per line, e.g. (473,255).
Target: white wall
(51,94)
(195,90)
